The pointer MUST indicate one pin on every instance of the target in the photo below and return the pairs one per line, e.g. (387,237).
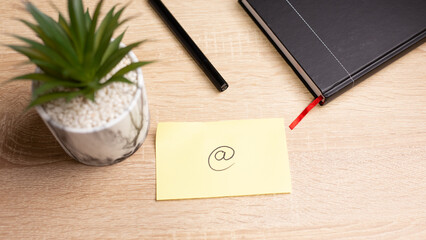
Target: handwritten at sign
(220,158)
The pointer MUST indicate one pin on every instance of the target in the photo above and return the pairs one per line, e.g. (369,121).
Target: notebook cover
(338,42)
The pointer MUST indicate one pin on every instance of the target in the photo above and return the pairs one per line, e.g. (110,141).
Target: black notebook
(332,44)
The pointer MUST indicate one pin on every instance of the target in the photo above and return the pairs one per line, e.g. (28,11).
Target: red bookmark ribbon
(306,111)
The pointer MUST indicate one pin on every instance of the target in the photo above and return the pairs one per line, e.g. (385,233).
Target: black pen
(190,45)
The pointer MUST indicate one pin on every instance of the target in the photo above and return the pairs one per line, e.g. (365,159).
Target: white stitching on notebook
(307,24)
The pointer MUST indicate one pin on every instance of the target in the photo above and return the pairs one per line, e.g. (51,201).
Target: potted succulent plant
(88,87)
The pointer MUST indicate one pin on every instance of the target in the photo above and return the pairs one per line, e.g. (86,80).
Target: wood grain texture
(358,164)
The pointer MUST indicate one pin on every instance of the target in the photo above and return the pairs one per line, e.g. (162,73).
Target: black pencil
(190,45)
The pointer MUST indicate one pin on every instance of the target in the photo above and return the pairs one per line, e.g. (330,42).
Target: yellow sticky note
(216,159)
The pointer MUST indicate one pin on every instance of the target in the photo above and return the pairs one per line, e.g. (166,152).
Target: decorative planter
(109,144)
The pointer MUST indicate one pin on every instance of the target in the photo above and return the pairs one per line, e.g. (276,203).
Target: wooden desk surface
(358,164)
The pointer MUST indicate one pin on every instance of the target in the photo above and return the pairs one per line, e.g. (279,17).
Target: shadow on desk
(27,141)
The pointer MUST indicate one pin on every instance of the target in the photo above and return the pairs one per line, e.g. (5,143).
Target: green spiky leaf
(54,95)
(117,79)
(115,58)
(74,54)
(129,68)
(47,86)
(112,47)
